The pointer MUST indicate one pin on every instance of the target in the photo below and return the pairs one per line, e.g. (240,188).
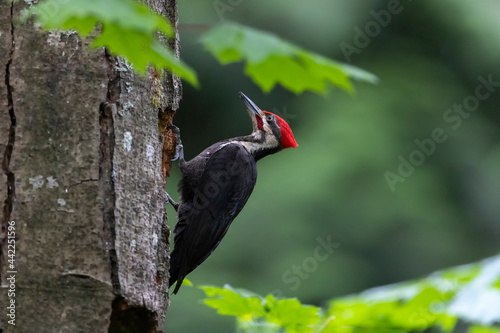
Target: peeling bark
(84,147)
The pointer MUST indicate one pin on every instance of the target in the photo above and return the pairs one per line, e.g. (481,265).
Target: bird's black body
(215,186)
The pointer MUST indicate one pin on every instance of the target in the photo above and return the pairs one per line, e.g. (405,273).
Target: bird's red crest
(287,139)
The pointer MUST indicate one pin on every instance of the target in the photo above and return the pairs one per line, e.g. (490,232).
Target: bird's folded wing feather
(223,189)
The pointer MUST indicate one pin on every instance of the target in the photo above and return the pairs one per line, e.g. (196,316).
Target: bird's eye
(269,118)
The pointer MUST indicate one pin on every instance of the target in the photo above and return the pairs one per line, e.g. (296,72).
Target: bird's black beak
(254,111)
(251,105)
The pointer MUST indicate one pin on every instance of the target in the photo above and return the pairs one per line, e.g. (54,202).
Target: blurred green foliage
(431,302)
(269,60)
(446,213)
(128,29)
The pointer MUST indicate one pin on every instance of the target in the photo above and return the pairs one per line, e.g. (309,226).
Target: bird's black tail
(174,271)
(174,277)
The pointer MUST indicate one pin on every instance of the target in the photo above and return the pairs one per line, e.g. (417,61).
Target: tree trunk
(85,153)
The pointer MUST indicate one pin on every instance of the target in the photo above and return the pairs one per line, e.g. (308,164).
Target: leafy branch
(439,301)
(270,60)
(129,29)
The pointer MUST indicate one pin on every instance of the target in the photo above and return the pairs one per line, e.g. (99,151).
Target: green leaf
(128,30)
(229,302)
(415,306)
(447,322)
(270,60)
(268,314)
(483,329)
(416,313)
(76,14)
(356,312)
(292,315)
(187,282)
(496,284)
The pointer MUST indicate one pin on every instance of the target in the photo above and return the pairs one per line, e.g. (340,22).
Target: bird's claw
(169,200)
(179,149)
(174,129)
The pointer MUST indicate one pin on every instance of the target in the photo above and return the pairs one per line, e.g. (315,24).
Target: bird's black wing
(226,182)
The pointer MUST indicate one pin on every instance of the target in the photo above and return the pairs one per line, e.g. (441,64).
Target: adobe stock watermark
(454,118)
(298,273)
(363,37)
(50,10)
(283,113)
(214,186)
(11,273)
(439,304)
(223,6)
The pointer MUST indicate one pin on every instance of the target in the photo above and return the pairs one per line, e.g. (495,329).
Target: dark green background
(446,212)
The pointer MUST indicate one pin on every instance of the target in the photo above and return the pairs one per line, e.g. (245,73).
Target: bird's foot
(169,200)
(179,149)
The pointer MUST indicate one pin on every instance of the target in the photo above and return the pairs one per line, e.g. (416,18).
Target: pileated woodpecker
(215,186)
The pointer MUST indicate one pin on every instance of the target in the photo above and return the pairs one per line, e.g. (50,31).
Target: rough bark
(83,143)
